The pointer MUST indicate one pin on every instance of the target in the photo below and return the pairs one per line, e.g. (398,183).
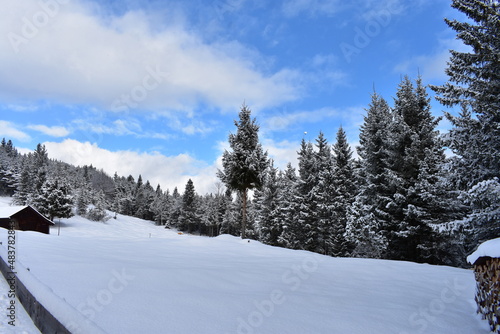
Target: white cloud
(282,152)
(349,117)
(22,108)
(9,131)
(284,120)
(169,172)
(54,131)
(69,54)
(118,127)
(189,125)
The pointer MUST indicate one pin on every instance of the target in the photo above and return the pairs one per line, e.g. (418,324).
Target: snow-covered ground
(129,276)
(20,322)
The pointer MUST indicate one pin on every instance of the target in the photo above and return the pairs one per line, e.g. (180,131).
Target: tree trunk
(244,213)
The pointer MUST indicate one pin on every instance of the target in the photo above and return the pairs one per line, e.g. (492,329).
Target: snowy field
(129,276)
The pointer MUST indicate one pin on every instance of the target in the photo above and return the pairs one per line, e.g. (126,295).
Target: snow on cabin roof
(8,211)
(490,248)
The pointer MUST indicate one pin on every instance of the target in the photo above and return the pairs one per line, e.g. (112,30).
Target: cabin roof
(9,211)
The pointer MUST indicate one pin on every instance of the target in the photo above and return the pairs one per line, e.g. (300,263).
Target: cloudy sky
(153,87)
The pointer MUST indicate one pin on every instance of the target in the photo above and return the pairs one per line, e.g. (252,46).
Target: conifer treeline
(403,199)
(399,200)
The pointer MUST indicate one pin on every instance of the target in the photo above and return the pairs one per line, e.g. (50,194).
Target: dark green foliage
(188,219)
(368,218)
(54,200)
(244,166)
(474,84)
(342,195)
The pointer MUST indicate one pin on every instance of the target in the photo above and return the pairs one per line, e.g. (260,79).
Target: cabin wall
(26,220)
(5,223)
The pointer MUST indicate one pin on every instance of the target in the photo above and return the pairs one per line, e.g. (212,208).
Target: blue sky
(153,87)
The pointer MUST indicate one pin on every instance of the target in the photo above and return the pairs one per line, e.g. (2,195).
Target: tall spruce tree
(243,167)
(54,200)
(265,206)
(287,209)
(367,218)
(344,190)
(175,209)
(304,200)
(188,219)
(319,199)
(159,206)
(474,80)
(98,211)
(416,156)
(474,84)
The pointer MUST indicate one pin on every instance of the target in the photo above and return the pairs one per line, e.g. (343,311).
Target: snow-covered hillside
(129,276)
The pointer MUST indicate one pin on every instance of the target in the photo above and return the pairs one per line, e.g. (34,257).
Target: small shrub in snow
(97,214)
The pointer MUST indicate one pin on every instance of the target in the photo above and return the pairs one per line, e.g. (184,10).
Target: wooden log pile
(487,273)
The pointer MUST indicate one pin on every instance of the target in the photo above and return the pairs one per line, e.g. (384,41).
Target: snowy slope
(129,276)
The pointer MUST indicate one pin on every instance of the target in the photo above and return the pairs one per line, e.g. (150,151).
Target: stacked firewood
(487,272)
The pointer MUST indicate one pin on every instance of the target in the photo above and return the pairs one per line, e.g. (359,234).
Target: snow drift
(130,276)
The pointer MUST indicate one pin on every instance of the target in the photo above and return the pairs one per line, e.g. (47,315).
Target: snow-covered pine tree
(24,185)
(149,197)
(343,193)
(8,168)
(287,209)
(416,158)
(40,165)
(175,209)
(188,218)
(231,221)
(367,218)
(54,200)
(322,198)
(82,201)
(243,167)
(265,207)
(208,212)
(98,211)
(463,169)
(139,198)
(124,191)
(304,202)
(222,205)
(474,83)
(8,148)
(474,80)
(158,206)
(32,175)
